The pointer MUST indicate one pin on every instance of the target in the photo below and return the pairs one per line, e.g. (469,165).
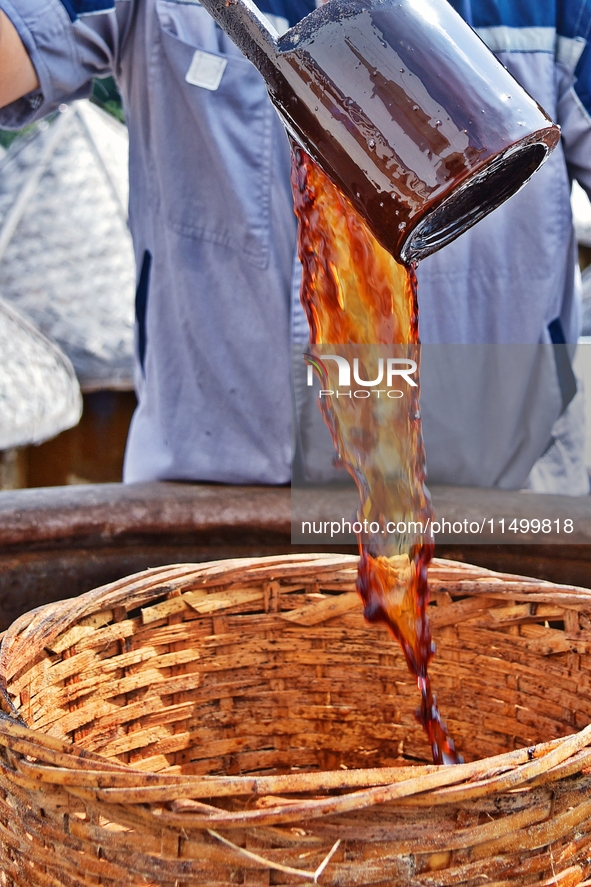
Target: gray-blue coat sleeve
(573,77)
(66,54)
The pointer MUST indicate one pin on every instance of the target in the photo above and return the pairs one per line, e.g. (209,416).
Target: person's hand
(17,74)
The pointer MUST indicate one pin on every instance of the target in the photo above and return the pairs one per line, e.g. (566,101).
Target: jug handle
(252,33)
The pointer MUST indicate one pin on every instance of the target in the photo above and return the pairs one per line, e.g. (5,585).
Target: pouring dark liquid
(354,293)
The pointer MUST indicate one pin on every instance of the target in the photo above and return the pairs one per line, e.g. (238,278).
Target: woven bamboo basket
(238,723)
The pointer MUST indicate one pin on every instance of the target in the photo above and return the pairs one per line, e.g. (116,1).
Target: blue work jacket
(214,235)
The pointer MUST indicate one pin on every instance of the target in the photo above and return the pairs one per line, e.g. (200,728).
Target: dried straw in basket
(239,723)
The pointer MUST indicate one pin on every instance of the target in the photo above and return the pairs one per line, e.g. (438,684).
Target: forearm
(17,74)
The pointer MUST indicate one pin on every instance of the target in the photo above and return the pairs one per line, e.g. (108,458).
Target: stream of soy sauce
(355,294)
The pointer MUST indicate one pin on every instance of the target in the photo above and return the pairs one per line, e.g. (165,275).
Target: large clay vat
(58,542)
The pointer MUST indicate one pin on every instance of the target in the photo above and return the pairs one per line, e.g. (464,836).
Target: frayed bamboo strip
(288,870)
(319,611)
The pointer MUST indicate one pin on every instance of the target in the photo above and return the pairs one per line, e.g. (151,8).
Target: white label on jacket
(205,70)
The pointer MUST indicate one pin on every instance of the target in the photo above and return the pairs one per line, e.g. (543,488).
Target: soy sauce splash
(409,624)
(355,294)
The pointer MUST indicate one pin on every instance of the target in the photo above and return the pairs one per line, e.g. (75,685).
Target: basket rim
(175,576)
(93,776)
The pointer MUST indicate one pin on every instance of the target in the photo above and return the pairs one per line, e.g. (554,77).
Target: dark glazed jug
(404,107)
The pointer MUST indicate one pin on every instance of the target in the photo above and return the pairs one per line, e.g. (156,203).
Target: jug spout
(404,107)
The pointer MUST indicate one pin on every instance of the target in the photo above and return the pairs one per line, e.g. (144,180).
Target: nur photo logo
(388,371)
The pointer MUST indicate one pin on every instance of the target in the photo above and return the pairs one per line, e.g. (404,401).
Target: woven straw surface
(238,723)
